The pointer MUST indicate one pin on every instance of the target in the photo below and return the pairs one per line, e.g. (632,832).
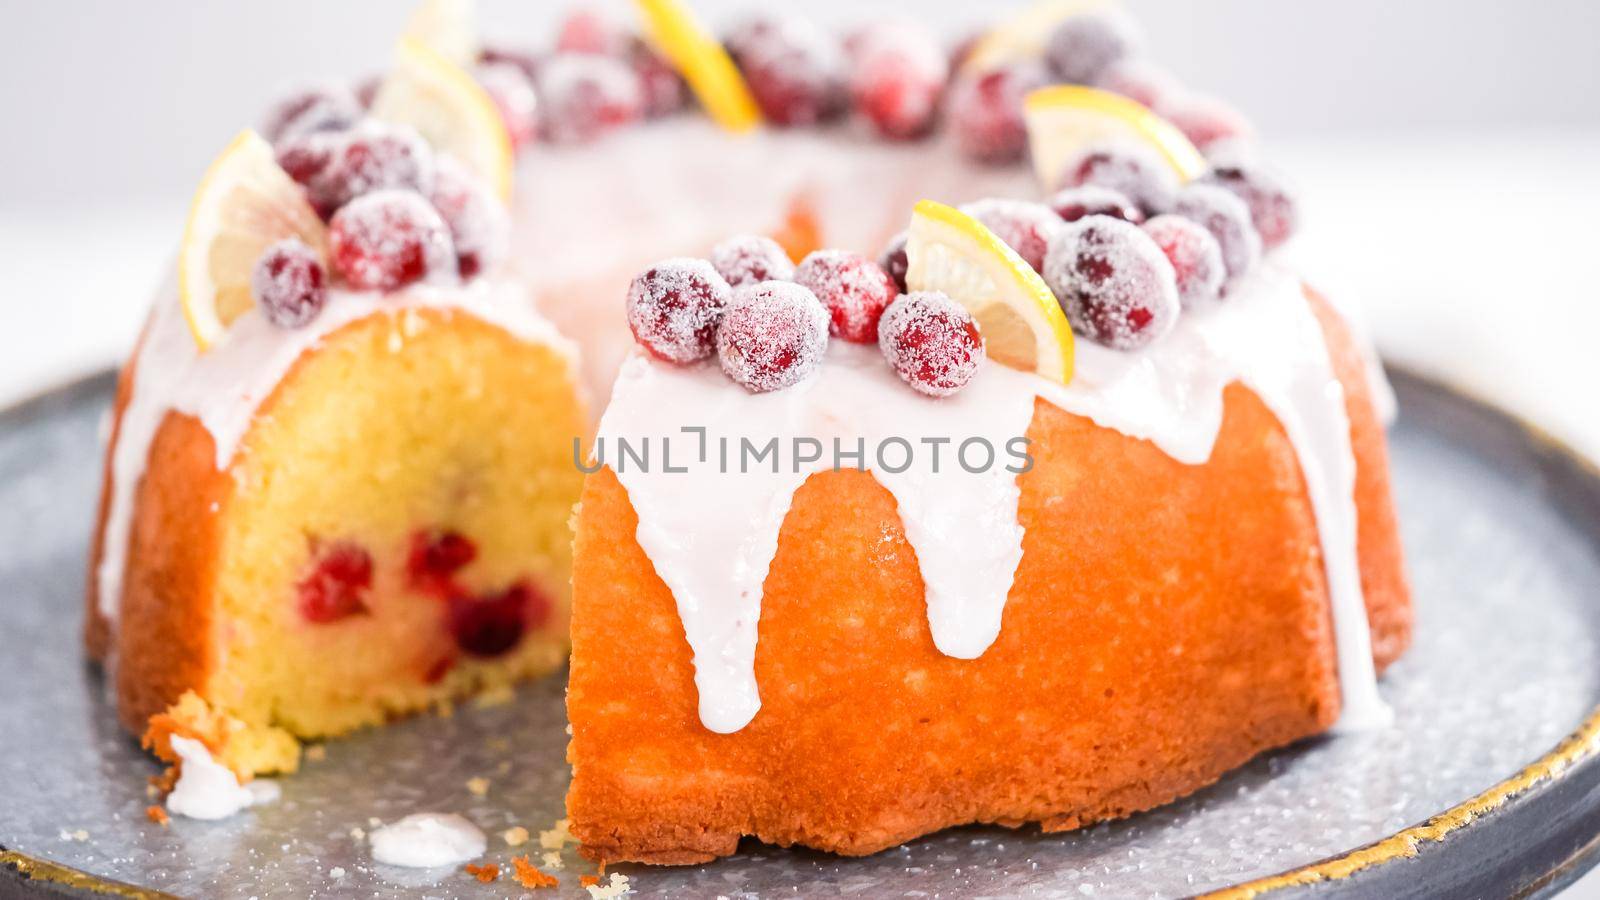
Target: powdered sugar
(1114,283)
(931,342)
(854,289)
(1025,227)
(773,335)
(1195,256)
(749,258)
(675,306)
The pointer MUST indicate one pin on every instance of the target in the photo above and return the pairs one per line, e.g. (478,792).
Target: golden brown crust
(1167,623)
(96,627)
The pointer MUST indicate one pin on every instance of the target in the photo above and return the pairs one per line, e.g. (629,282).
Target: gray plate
(1502,529)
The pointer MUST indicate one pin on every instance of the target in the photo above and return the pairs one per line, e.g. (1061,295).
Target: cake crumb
(336,872)
(618,886)
(478,787)
(557,837)
(499,695)
(529,876)
(157,815)
(552,859)
(316,753)
(486,873)
(515,836)
(358,833)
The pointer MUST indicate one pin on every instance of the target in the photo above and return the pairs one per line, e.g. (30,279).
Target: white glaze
(425,840)
(711,536)
(206,789)
(224,386)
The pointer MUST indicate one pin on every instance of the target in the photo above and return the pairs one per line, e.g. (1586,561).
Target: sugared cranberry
(674,308)
(335,586)
(931,342)
(1083,45)
(793,68)
(748,258)
(528,62)
(1273,209)
(371,157)
(366,90)
(435,558)
(1195,255)
(1206,120)
(494,624)
(479,225)
(1130,169)
(305,157)
(1223,214)
(513,96)
(1139,80)
(895,262)
(854,289)
(590,30)
(986,112)
(388,239)
(289,283)
(585,96)
(664,90)
(1073,203)
(897,75)
(773,335)
(1115,285)
(325,108)
(1024,227)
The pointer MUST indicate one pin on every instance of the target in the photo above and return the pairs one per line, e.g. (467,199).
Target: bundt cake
(1038,512)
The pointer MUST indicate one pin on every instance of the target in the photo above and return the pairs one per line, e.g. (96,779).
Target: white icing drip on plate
(425,840)
(208,790)
(223,387)
(712,535)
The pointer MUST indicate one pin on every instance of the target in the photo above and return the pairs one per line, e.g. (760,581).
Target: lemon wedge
(448,28)
(1023,36)
(1022,324)
(245,204)
(698,56)
(1065,118)
(449,109)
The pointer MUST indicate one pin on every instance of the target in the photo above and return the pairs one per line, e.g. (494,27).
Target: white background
(1448,153)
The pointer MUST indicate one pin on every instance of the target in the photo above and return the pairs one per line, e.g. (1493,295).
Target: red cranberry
(305,158)
(586,96)
(1073,203)
(334,587)
(895,261)
(588,30)
(388,239)
(1273,209)
(897,75)
(1195,255)
(1024,227)
(793,68)
(367,90)
(854,289)
(1140,80)
(1134,171)
(1228,219)
(327,108)
(986,112)
(1114,283)
(513,96)
(773,335)
(674,308)
(931,342)
(664,90)
(371,157)
(749,258)
(1206,121)
(1083,45)
(494,624)
(479,226)
(289,283)
(435,558)
(527,62)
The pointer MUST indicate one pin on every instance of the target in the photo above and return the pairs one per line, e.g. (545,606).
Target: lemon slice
(449,109)
(1065,118)
(448,28)
(1023,326)
(245,204)
(700,59)
(1024,35)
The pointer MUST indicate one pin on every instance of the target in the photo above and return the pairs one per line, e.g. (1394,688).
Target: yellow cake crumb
(316,753)
(515,836)
(552,859)
(616,887)
(478,787)
(499,695)
(557,837)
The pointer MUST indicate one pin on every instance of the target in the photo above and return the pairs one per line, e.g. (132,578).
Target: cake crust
(1167,623)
